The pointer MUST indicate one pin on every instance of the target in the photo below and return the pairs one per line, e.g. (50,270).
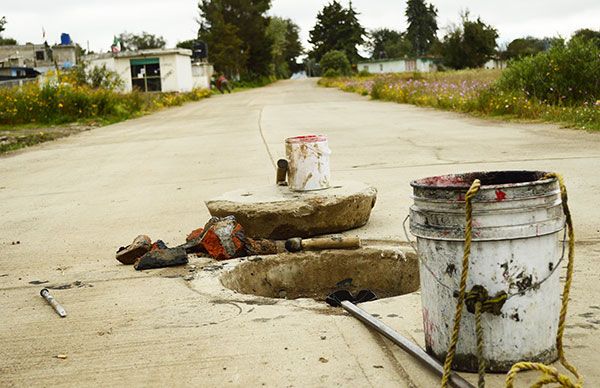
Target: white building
(397,65)
(155,70)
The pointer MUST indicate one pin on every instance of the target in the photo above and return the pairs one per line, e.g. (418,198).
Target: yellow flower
(60,105)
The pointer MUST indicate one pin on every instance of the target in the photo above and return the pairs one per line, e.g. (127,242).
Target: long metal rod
(405,344)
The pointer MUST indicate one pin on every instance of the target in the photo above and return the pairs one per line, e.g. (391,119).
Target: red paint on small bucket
(500,195)
(306,139)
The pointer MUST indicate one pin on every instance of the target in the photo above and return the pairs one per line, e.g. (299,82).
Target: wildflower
(60,105)
(597,103)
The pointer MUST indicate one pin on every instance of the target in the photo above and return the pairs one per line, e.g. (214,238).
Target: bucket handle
(509,295)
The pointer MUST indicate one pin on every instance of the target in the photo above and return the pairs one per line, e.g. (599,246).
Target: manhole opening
(316,275)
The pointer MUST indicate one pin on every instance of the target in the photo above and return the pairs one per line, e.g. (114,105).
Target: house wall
(399,66)
(175,70)
(183,64)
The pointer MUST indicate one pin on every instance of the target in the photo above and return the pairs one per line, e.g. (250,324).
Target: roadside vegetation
(73,101)
(560,85)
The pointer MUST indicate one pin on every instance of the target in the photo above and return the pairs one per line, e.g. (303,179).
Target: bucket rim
(306,139)
(464,180)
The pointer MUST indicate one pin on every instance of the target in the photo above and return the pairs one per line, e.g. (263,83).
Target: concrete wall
(201,75)
(183,65)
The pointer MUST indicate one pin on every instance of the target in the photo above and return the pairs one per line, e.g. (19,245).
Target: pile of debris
(220,239)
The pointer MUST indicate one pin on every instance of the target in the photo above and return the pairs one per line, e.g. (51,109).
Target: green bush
(565,74)
(364,73)
(337,61)
(331,73)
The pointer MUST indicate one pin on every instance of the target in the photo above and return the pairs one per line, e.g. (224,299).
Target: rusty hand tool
(297,244)
(338,299)
(55,305)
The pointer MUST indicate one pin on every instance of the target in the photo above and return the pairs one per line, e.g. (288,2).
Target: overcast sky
(96,21)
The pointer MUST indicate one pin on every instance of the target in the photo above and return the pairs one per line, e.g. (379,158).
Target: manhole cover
(387,272)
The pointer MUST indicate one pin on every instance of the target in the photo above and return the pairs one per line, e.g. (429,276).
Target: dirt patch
(14,138)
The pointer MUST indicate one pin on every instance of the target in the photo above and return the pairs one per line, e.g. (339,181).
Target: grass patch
(37,113)
(469,91)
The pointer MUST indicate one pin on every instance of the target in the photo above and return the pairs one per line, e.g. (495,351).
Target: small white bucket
(308,158)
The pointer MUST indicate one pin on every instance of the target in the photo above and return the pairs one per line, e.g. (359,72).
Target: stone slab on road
(276,212)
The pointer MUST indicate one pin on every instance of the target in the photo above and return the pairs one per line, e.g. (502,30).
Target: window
(39,55)
(145,74)
(381,67)
(411,65)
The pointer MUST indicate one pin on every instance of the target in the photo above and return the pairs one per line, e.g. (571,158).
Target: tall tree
(337,28)
(235,31)
(141,41)
(469,45)
(522,47)
(422,25)
(386,43)
(286,46)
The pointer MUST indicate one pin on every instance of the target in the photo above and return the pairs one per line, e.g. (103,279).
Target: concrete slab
(73,202)
(276,212)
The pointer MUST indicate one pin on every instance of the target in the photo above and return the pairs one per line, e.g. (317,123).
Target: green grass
(469,91)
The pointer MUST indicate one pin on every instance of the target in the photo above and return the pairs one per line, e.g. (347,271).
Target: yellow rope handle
(551,374)
(473,190)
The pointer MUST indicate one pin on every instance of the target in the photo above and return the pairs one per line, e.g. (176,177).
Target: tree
(337,28)
(470,45)
(235,32)
(187,44)
(143,41)
(286,46)
(5,41)
(522,47)
(386,43)
(422,25)
(586,34)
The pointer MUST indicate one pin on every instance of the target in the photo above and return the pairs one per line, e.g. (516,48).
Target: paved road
(72,202)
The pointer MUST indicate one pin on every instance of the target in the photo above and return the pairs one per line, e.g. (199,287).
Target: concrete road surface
(71,203)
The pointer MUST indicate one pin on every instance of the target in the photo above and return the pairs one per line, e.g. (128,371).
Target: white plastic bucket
(516,248)
(308,162)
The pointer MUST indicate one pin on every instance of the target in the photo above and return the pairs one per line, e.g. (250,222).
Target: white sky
(96,21)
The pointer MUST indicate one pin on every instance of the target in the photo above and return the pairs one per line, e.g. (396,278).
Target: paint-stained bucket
(516,248)
(308,158)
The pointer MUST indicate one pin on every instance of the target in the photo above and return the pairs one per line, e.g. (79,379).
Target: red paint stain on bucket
(500,195)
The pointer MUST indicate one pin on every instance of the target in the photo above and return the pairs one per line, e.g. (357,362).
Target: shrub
(331,73)
(337,61)
(565,74)
(96,77)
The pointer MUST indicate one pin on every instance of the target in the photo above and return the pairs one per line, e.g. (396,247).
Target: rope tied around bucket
(473,190)
(477,298)
(551,374)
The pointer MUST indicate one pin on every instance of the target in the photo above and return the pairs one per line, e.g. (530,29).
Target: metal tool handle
(405,344)
(342,242)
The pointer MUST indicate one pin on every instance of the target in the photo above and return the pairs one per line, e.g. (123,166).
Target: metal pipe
(409,347)
(55,305)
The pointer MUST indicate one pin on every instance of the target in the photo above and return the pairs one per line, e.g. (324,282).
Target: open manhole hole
(387,272)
